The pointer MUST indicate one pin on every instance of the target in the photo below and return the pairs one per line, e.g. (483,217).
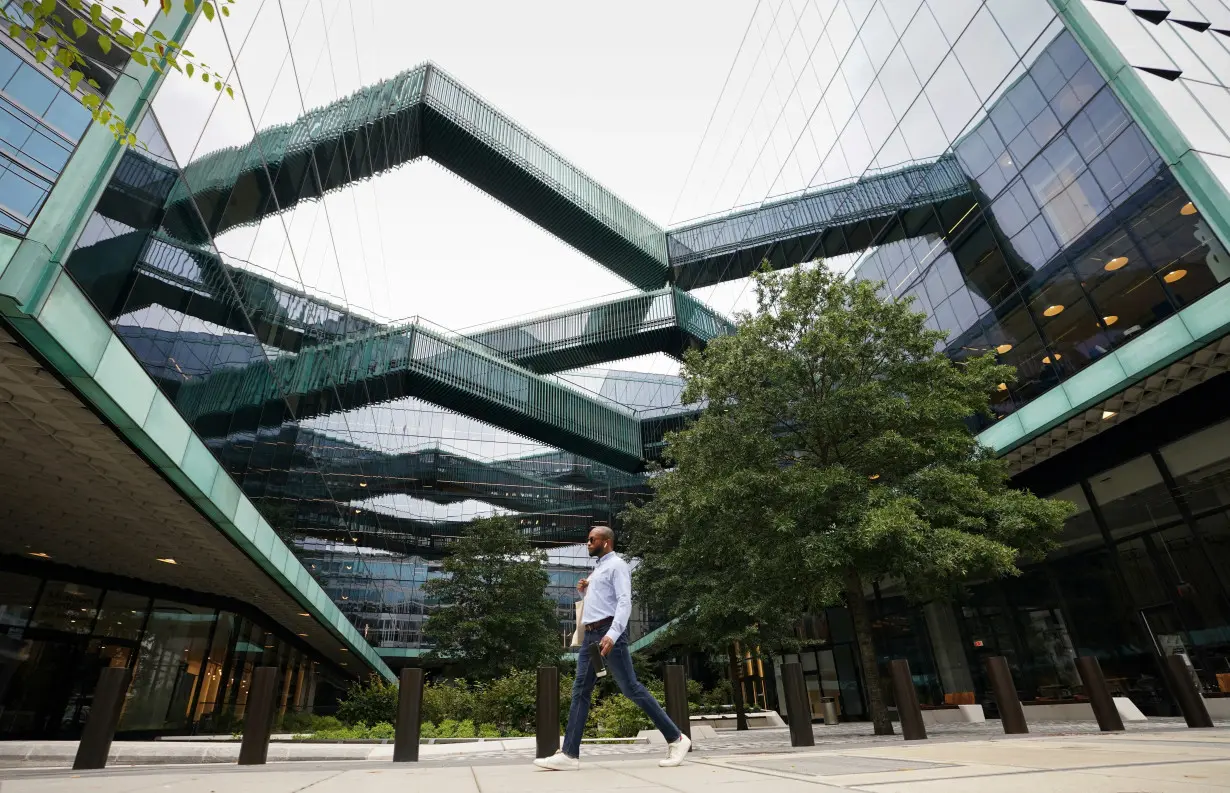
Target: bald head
(601,541)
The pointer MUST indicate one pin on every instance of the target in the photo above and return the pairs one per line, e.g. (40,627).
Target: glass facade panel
(40,125)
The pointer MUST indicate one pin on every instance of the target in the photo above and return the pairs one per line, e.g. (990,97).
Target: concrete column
(948,648)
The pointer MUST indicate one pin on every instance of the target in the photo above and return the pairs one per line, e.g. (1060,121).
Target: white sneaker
(560,762)
(678,751)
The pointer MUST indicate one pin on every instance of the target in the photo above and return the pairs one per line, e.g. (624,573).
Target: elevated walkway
(422,112)
(824,222)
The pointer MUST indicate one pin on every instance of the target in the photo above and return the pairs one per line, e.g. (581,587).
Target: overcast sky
(622,90)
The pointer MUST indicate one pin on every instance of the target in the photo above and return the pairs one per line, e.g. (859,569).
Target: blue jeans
(619,665)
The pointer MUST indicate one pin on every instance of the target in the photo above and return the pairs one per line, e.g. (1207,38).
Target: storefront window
(1133,498)
(171,657)
(66,607)
(1200,465)
(211,682)
(1081,531)
(122,615)
(17,593)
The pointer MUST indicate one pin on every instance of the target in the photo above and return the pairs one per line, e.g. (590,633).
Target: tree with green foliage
(833,452)
(494,615)
(73,37)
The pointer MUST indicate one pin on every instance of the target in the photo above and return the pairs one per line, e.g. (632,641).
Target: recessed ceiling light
(357,511)
(303,634)
(345,597)
(168,560)
(1116,263)
(1047,359)
(304,614)
(363,484)
(1107,414)
(1174,275)
(1110,319)
(1002,387)
(1053,311)
(1188,209)
(874,477)
(1004,349)
(40,554)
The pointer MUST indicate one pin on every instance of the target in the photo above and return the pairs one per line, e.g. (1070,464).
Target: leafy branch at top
(57,39)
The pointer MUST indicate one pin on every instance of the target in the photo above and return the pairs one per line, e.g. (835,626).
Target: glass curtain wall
(1075,236)
(56,636)
(1140,575)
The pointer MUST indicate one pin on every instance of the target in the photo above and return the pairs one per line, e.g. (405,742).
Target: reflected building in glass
(269,469)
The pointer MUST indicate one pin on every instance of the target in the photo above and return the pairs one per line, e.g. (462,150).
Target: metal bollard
(546,723)
(677,699)
(1190,702)
(912,727)
(258,716)
(1100,700)
(797,706)
(1011,714)
(409,716)
(104,718)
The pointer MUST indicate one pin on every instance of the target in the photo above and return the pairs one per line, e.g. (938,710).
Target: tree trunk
(736,689)
(867,652)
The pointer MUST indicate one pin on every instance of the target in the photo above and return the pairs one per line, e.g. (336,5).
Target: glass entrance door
(832,671)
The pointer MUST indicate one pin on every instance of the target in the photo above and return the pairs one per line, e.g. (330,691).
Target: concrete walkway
(1193,761)
(60,754)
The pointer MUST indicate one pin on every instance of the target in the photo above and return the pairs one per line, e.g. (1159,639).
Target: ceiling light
(1110,319)
(1188,209)
(1174,275)
(304,614)
(874,477)
(345,597)
(40,554)
(303,634)
(363,484)
(1004,349)
(1107,414)
(344,650)
(1002,387)
(168,560)
(357,511)
(1047,359)
(1053,311)
(1116,263)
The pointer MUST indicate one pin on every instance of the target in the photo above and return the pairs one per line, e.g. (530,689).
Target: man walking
(608,605)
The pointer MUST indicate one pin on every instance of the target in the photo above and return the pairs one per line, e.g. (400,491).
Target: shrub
(510,702)
(370,703)
(718,697)
(616,717)
(382,730)
(488,731)
(465,729)
(695,693)
(454,700)
(447,729)
(427,730)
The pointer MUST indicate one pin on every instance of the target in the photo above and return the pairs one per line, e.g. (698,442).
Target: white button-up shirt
(609,594)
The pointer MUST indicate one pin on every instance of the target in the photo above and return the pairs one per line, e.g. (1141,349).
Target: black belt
(599,625)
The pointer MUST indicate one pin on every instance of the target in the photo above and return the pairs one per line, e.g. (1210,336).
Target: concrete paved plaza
(1155,761)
